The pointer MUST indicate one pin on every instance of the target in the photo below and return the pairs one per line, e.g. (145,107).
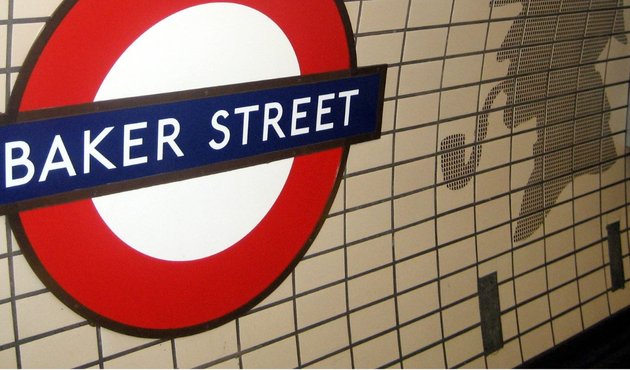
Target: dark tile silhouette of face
(551,47)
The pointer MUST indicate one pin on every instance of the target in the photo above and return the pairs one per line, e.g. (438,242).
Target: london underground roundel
(189,253)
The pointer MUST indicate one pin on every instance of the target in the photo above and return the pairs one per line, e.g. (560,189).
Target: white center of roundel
(207,45)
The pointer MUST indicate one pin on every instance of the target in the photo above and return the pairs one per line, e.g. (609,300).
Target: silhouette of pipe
(457,171)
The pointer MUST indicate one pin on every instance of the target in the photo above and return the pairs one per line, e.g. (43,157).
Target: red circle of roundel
(86,263)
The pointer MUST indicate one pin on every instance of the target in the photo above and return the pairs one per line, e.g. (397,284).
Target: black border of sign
(96,319)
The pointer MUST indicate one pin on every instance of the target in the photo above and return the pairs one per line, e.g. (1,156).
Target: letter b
(12,162)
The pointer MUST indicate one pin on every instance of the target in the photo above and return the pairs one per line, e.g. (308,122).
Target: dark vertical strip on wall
(614,252)
(490,311)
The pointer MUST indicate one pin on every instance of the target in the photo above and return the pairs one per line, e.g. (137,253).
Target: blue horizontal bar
(92,146)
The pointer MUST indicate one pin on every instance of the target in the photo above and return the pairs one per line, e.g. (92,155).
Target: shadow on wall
(603,346)
(567,101)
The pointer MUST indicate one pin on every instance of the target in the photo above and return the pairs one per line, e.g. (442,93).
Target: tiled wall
(391,280)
